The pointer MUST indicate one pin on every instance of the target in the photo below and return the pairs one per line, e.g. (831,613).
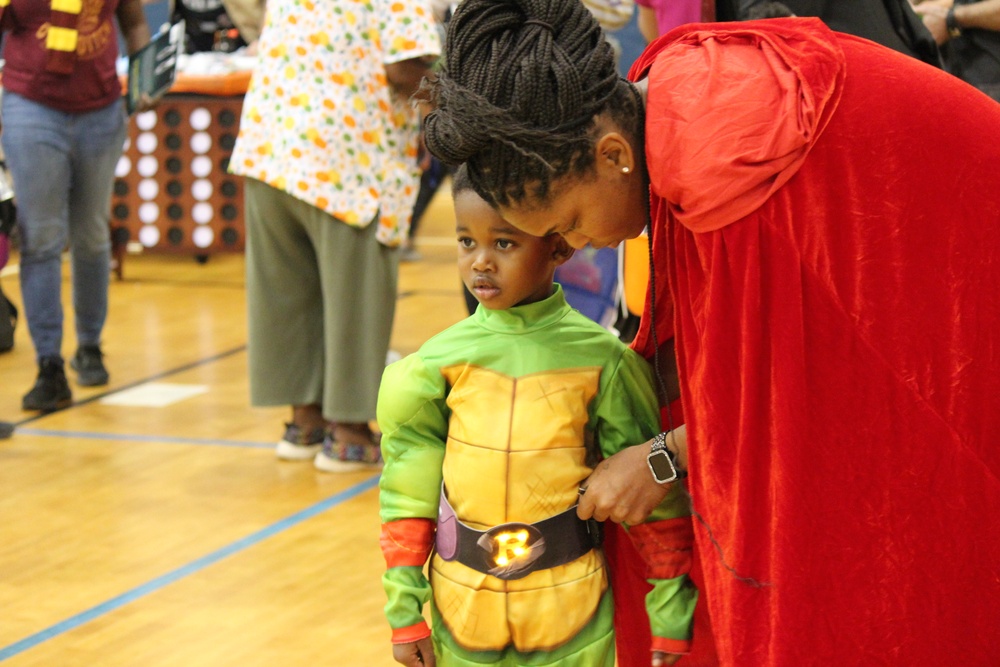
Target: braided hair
(517,98)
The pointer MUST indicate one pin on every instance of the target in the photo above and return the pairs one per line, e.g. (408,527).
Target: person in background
(658,17)
(968,32)
(480,443)
(433,173)
(612,15)
(798,183)
(64,127)
(768,10)
(328,145)
(8,220)
(892,23)
(218,25)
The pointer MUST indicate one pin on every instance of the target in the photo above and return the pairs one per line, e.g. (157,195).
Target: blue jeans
(63,168)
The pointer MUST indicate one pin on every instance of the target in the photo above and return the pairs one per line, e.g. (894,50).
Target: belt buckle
(511,548)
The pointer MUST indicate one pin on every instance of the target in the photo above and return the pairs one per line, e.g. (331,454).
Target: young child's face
(501,266)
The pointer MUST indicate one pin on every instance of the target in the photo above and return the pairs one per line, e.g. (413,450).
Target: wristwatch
(663,462)
(951,23)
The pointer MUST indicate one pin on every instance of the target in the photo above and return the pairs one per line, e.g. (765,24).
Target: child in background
(489,431)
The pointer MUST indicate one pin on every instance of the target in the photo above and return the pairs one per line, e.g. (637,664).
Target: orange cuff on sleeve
(665,546)
(413,633)
(407,541)
(671,645)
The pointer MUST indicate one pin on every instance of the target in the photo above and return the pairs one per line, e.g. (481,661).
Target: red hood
(732,111)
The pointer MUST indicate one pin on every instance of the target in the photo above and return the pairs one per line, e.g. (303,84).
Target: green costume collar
(523,319)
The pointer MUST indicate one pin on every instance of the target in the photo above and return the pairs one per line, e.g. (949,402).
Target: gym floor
(150,522)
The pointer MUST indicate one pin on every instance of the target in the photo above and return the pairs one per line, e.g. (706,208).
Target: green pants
(321,296)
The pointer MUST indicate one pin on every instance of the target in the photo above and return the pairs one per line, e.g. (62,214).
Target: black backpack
(8,311)
(8,320)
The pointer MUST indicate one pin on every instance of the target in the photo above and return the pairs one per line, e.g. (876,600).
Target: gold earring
(625,170)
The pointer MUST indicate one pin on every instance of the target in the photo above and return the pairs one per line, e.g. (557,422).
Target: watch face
(663,469)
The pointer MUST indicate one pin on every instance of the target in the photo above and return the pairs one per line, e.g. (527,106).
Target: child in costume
(489,431)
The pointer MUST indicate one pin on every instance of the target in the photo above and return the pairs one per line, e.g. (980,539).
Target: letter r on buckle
(511,548)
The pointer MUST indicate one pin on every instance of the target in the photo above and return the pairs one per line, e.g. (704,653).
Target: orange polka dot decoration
(173,192)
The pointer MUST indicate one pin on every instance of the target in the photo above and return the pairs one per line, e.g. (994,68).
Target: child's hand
(415,654)
(660,658)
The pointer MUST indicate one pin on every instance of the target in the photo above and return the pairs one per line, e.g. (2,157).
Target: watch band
(662,462)
(951,23)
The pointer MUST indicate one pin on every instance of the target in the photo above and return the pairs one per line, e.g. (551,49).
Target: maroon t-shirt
(94,81)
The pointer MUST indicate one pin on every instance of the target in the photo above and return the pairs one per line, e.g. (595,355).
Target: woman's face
(605,206)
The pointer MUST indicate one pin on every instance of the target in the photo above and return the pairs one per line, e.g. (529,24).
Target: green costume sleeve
(413,418)
(407,590)
(628,414)
(670,606)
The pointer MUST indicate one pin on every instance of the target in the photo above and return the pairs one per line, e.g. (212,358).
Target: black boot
(51,390)
(89,366)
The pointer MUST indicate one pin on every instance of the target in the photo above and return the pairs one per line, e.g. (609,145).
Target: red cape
(826,221)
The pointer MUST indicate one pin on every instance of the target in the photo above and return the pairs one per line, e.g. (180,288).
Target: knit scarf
(62,34)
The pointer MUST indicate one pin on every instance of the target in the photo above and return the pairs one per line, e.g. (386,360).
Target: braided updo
(517,97)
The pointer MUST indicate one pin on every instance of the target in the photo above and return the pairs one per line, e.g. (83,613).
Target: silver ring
(582,490)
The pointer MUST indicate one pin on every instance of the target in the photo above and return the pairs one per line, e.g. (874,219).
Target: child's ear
(561,250)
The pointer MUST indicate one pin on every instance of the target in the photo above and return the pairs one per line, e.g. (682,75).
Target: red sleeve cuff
(411,633)
(407,541)
(671,645)
(666,546)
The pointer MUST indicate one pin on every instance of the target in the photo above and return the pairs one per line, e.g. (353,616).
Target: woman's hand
(415,654)
(622,487)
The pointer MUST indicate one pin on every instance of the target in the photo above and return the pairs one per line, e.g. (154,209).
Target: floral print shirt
(320,121)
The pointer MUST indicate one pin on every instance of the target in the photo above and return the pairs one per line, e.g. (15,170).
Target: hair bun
(522,83)
(449,142)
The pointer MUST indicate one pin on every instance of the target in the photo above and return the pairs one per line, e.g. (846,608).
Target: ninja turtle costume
(506,412)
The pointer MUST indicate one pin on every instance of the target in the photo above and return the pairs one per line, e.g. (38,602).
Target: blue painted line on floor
(131,437)
(184,571)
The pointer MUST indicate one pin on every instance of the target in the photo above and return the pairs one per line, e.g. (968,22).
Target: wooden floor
(141,531)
